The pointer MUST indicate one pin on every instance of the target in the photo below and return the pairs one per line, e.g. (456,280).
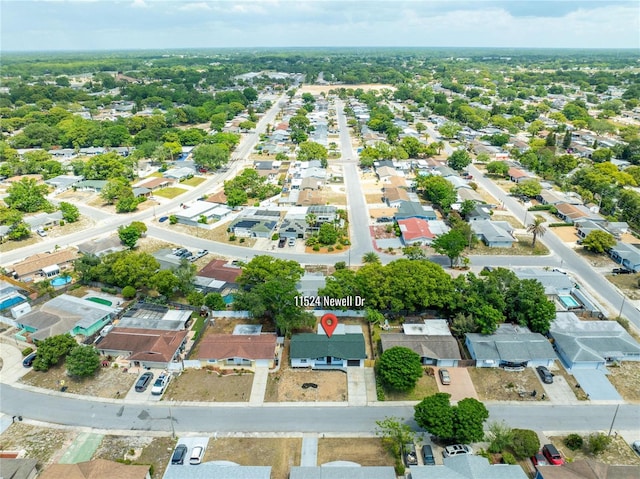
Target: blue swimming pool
(60,280)
(10,301)
(569,302)
(228,299)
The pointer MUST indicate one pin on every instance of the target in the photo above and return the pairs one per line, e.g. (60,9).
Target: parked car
(456,450)
(538,459)
(282,242)
(160,385)
(162,219)
(41,232)
(636,446)
(552,454)
(201,253)
(292,241)
(445,379)
(545,374)
(179,454)
(621,271)
(410,455)
(27,362)
(196,455)
(143,382)
(427,456)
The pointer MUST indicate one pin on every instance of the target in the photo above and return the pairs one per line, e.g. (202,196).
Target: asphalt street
(287,418)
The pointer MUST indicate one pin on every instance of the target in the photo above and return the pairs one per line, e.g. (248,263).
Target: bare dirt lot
(286,385)
(628,283)
(619,452)
(496,384)
(594,259)
(566,233)
(364,451)
(426,386)
(279,453)
(40,443)
(148,450)
(626,379)
(106,383)
(207,385)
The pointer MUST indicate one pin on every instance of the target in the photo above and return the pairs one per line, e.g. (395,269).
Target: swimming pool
(228,299)
(8,302)
(106,302)
(569,302)
(60,280)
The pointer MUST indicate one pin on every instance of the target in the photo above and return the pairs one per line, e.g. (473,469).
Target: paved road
(607,294)
(296,418)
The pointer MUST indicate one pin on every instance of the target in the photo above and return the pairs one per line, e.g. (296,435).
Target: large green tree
(437,190)
(212,156)
(459,160)
(451,244)
(28,196)
(310,150)
(399,369)
(70,213)
(82,361)
(52,350)
(599,241)
(460,423)
(527,304)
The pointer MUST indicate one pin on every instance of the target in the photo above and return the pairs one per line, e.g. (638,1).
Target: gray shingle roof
(432,347)
(343,346)
(468,466)
(342,472)
(511,344)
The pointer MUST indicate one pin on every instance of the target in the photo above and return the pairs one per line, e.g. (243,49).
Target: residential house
(394,196)
(432,341)
(414,209)
(445,171)
(342,470)
(417,230)
(43,220)
(238,350)
(155,183)
(626,255)
(221,270)
(517,175)
(102,246)
(479,213)
(467,466)
(293,228)
(95,186)
(469,194)
(323,214)
(153,316)
(62,183)
(555,283)
(344,348)
(308,197)
(587,469)
(570,213)
(591,344)
(254,223)
(95,469)
(179,173)
(552,197)
(144,347)
(217,469)
(65,314)
(458,183)
(18,468)
(510,345)
(31,269)
(311,183)
(202,211)
(385,173)
(495,234)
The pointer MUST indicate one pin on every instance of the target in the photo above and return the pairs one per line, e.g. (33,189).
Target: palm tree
(370,257)
(536,229)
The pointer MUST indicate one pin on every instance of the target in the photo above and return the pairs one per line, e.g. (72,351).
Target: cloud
(194,6)
(139,4)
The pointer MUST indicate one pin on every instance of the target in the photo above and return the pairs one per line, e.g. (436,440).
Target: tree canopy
(461,423)
(399,369)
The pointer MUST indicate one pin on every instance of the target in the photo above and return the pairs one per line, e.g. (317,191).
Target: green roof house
(318,351)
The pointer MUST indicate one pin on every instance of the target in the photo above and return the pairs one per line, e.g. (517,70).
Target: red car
(552,455)
(538,459)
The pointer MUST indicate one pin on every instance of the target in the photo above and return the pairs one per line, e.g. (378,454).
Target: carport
(596,385)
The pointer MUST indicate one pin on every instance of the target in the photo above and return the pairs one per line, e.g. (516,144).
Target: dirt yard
(155,451)
(11,245)
(496,384)
(628,283)
(279,453)
(364,451)
(566,233)
(378,212)
(619,452)
(597,260)
(286,385)
(106,383)
(207,385)
(626,379)
(40,443)
(580,394)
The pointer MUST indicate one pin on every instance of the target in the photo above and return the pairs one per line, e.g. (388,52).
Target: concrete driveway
(461,385)
(596,385)
(558,392)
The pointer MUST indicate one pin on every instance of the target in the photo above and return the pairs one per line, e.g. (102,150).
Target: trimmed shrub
(27,351)
(128,292)
(573,442)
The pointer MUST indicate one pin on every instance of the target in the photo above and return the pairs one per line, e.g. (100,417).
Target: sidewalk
(259,386)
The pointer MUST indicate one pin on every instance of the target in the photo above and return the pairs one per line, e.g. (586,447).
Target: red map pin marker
(329,323)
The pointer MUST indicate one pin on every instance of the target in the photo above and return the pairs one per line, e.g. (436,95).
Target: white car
(160,385)
(196,455)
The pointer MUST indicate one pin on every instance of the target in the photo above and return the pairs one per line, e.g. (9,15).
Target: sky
(38,25)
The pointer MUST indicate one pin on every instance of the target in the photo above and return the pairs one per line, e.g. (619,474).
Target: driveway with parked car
(460,386)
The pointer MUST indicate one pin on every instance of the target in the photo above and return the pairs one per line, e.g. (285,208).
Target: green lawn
(194,181)
(169,192)
(426,386)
